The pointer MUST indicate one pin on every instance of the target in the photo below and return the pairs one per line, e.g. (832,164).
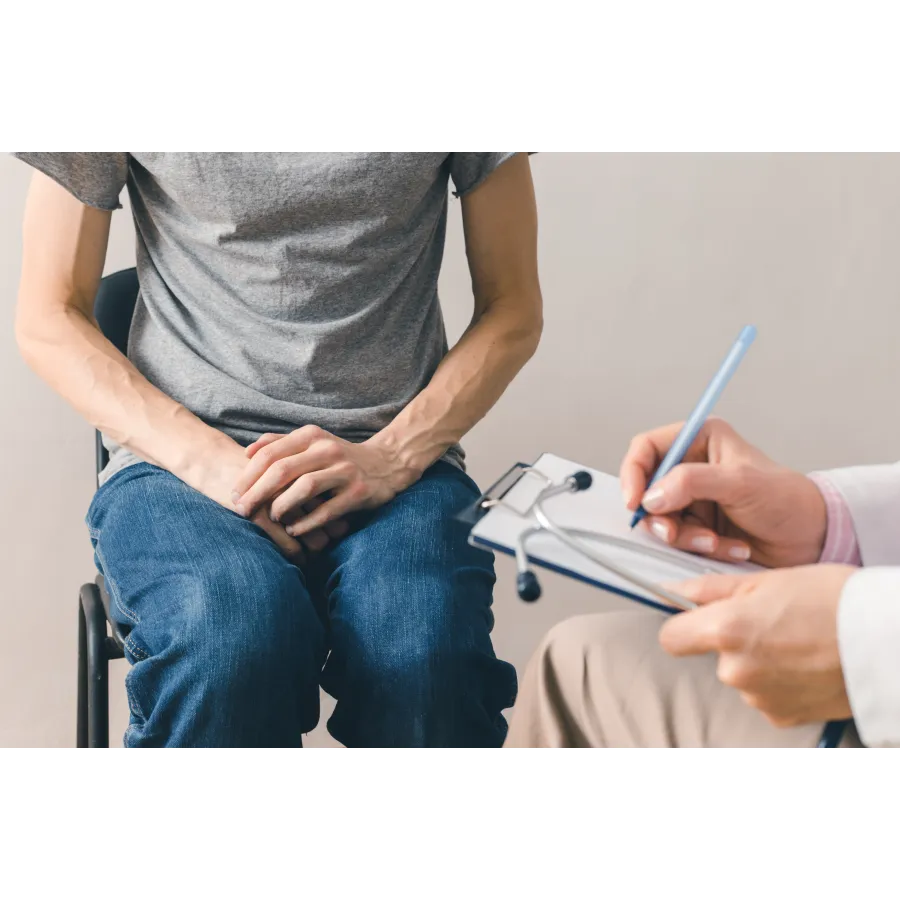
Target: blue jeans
(229,642)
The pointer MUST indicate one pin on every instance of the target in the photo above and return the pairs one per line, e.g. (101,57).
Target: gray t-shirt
(282,289)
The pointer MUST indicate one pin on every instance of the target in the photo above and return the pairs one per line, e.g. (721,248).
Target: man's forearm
(500,226)
(468,382)
(68,351)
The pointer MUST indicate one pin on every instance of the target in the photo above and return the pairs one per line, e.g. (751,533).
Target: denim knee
(249,622)
(238,665)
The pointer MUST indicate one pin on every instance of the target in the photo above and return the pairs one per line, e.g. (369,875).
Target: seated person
(288,382)
(768,657)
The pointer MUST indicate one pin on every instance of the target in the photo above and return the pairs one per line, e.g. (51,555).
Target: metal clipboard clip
(473,513)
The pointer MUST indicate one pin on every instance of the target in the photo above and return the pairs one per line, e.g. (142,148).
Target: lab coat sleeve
(869,643)
(869,610)
(872,494)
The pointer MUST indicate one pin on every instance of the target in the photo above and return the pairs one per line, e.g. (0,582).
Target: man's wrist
(189,456)
(408,461)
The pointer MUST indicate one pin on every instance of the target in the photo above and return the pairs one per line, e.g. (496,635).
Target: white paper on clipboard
(598,509)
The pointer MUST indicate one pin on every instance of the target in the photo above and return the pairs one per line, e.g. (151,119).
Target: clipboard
(495,525)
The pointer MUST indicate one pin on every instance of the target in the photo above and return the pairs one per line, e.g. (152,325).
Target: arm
(864,518)
(500,221)
(64,247)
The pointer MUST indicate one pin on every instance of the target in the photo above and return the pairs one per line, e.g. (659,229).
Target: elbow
(26,338)
(528,333)
(512,323)
(33,334)
(522,337)
(535,333)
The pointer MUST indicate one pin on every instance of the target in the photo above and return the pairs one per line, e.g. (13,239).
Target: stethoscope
(576,539)
(529,588)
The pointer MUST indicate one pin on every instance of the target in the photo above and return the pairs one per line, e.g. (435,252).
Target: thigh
(604,680)
(409,608)
(174,560)
(221,628)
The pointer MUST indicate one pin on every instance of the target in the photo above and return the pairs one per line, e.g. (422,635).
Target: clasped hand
(310,479)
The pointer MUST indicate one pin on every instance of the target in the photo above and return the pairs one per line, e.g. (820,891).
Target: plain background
(650,263)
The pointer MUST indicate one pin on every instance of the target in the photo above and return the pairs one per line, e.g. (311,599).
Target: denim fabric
(229,642)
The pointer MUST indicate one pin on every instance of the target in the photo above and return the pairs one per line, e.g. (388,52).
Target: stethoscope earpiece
(581,480)
(528,586)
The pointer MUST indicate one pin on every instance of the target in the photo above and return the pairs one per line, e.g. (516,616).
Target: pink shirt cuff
(841,545)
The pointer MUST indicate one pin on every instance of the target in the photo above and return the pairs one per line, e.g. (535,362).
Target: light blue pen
(701,412)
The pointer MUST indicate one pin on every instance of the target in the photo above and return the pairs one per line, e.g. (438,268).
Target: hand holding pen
(691,428)
(707,490)
(727,500)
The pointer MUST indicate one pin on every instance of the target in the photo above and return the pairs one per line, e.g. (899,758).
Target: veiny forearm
(468,382)
(66,348)
(500,226)
(63,250)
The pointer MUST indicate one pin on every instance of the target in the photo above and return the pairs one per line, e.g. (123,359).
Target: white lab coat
(869,610)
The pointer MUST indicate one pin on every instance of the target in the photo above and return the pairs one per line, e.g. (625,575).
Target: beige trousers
(604,681)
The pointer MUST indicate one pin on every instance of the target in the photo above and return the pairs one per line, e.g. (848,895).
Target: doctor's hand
(727,500)
(311,466)
(776,637)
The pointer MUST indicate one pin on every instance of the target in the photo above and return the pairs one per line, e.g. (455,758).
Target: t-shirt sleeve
(96,179)
(468,170)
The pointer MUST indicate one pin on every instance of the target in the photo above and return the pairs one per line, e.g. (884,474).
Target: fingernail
(240,509)
(235,496)
(273,517)
(660,530)
(740,553)
(653,500)
(703,544)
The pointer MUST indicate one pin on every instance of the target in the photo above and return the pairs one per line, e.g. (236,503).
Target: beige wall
(649,264)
